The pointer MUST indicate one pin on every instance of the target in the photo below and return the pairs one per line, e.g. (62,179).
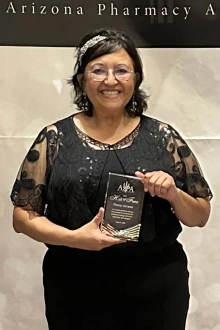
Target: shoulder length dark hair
(114,41)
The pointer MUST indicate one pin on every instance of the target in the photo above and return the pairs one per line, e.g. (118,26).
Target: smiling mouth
(110,93)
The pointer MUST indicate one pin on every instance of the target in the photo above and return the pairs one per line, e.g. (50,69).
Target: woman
(92,280)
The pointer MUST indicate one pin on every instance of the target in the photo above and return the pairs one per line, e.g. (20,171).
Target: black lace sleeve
(29,188)
(187,171)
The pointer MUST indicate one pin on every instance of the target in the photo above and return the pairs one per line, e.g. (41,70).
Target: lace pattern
(184,164)
(60,174)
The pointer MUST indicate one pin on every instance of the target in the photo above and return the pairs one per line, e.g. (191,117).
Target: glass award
(123,207)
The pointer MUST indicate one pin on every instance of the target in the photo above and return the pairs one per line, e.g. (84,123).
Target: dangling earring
(134,104)
(85,103)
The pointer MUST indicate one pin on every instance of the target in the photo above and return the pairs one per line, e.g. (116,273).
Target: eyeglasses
(121,73)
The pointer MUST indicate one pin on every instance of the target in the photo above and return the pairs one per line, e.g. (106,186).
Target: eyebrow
(97,63)
(102,64)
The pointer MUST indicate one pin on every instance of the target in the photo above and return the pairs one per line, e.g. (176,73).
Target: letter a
(11,7)
(210,8)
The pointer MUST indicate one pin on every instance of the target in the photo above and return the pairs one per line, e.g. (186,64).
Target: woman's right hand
(90,237)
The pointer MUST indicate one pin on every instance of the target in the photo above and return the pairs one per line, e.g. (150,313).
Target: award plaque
(123,207)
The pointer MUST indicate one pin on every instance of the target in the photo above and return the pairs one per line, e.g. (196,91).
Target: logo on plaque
(126,187)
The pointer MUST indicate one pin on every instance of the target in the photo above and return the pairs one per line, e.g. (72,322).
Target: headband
(90,43)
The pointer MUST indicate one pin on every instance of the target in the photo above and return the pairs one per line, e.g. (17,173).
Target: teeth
(110,92)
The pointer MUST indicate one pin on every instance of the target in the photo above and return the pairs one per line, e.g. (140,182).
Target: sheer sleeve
(29,188)
(187,171)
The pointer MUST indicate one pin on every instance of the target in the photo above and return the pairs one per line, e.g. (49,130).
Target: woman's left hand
(159,183)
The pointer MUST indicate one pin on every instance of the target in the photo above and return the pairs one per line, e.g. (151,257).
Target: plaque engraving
(123,206)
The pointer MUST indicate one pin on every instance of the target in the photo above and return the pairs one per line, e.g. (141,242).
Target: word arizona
(43,10)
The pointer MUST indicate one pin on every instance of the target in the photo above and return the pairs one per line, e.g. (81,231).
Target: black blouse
(64,178)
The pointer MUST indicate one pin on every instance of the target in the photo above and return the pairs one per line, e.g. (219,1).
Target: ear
(80,80)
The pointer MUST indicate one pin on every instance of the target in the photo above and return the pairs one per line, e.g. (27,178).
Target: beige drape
(185,92)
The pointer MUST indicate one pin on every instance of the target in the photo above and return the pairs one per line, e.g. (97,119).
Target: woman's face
(110,94)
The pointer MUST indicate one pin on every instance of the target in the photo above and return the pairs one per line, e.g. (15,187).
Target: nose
(110,78)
